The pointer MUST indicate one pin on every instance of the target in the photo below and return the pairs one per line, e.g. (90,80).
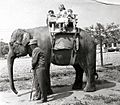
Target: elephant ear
(26,38)
(17,36)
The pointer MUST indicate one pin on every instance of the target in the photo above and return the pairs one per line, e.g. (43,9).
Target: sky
(26,14)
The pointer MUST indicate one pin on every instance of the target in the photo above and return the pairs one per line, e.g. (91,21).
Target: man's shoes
(37,96)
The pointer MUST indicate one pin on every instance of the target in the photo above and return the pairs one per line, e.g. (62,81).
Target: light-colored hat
(33,41)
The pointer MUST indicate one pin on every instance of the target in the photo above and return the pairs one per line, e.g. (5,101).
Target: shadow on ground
(60,95)
(102,84)
(61,88)
(62,91)
(108,67)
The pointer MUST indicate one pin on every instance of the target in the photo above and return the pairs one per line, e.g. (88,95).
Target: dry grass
(62,77)
(112,99)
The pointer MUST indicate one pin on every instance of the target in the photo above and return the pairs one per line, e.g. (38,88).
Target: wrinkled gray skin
(85,62)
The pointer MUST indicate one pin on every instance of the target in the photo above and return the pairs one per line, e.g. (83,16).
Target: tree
(112,33)
(98,33)
(104,34)
(100,30)
(5,49)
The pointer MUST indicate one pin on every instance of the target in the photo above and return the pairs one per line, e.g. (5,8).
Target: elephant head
(18,47)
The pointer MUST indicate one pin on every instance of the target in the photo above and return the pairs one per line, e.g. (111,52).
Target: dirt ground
(62,78)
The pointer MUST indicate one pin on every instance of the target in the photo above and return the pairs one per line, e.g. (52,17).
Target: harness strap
(73,57)
(75,47)
(74,50)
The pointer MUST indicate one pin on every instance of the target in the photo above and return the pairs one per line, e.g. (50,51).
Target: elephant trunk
(10,62)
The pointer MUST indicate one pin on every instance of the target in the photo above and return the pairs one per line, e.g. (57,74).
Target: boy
(62,17)
(51,19)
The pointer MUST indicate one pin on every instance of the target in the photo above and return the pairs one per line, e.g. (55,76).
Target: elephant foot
(90,88)
(77,86)
(49,92)
(38,97)
(41,101)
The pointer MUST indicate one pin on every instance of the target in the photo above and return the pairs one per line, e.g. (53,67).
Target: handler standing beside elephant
(39,70)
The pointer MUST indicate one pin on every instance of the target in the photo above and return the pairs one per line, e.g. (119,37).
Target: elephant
(85,59)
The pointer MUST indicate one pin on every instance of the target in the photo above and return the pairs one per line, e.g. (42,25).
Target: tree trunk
(101,52)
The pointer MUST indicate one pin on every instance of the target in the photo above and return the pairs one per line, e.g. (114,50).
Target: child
(62,17)
(50,16)
(62,12)
(70,14)
(71,19)
(51,20)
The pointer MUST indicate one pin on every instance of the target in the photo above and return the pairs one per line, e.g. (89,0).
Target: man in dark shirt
(39,70)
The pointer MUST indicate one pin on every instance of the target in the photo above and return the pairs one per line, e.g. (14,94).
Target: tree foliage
(109,33)
(106,34)
(3,49)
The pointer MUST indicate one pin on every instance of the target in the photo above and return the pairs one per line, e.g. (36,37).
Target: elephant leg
(49,90)
(90,74)
(42,80)
(79,76)
(37,95)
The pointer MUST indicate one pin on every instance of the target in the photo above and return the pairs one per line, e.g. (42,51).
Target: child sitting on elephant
(51,20)
(62,17)
(70,14)
(71,18)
